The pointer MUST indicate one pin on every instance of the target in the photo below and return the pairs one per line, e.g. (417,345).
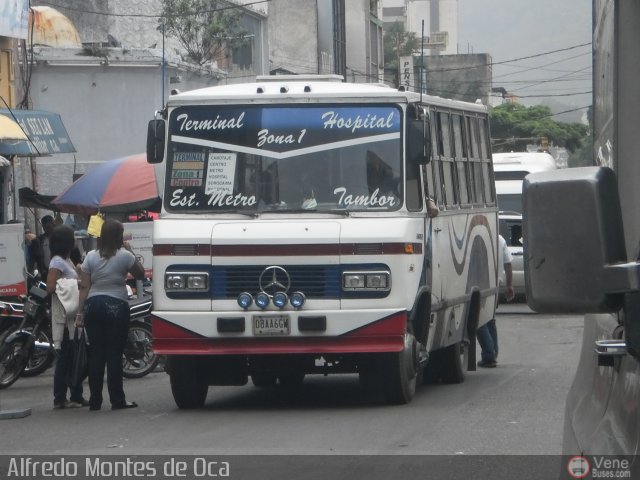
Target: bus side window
(447,160)
(460,160)
(429,186)
(476,160)
(487,171)
(466,132)
(437,193)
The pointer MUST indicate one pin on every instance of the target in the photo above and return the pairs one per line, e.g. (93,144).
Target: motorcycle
(10,317)
(28,350)
(139,359)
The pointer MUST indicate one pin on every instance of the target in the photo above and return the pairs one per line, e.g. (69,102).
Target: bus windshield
(268,158)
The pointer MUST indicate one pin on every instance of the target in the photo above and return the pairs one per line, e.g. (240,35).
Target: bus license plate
(271,325)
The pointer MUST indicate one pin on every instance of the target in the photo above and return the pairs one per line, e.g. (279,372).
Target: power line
(555,95)
(541,67)
(559,78)
(511,60)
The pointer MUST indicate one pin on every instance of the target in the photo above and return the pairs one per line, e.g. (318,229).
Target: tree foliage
(206,29)
(513,126)
(398,43)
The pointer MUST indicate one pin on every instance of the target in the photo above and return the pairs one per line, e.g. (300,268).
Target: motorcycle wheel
(139,358)
(12,361)
(40,359)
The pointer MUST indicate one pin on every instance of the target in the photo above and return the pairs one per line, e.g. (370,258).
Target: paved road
(516,408)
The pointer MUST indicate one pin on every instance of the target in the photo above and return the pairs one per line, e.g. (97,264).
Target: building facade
(13,27)
(327,37)
(440,19)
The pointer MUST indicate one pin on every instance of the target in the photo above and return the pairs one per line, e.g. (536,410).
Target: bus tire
(400,373)
(188,389)
(454,362)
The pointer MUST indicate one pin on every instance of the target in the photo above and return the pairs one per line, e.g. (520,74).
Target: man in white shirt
(487,335)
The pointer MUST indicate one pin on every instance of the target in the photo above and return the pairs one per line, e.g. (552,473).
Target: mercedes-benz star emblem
(274,279)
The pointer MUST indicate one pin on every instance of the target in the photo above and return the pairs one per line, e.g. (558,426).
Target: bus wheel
(400,372)
(189,391)
(454,364)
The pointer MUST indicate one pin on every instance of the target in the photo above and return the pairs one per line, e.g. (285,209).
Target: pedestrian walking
(488,334)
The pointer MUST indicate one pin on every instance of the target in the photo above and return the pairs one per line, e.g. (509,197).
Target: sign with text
(140,237)
(406,73)
(221,173)
(45,130)
(12,263)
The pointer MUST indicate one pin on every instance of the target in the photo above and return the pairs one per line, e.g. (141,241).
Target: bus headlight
(174,282)
(280,299)
(186,281)
(262,300)
(245,300)
(376,281)
(297,300)
(352,281)
(197,282)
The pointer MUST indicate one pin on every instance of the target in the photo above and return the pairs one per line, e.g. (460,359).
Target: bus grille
(315,281)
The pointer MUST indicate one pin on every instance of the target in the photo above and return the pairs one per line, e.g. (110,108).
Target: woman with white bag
(62,283)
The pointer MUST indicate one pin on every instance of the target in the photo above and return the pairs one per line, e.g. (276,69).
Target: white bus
(294,237)
(510,170)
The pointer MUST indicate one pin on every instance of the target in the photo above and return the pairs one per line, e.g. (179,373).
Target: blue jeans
(488,339)
(107,324)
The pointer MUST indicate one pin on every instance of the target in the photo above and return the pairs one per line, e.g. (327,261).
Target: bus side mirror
(155,141)
(418,142)
(574,248)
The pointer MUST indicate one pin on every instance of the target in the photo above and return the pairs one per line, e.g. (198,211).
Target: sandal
(124,405)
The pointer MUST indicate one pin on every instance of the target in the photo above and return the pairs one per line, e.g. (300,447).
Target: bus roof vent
(307,89)
(259,90)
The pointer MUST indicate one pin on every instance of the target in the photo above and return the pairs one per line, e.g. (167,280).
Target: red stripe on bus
(315,249)
(386,335)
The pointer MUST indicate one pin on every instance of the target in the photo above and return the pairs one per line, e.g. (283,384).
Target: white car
(510,227)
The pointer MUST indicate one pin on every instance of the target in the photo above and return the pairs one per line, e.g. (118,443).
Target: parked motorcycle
(26,347)
(10,317)
(139,358)
(28,350)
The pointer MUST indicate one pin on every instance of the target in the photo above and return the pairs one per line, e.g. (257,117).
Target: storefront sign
(45,130)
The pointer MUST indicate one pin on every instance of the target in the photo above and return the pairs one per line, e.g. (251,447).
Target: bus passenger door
(434,230)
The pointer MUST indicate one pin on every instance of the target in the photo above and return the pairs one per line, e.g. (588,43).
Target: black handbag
(80,366)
